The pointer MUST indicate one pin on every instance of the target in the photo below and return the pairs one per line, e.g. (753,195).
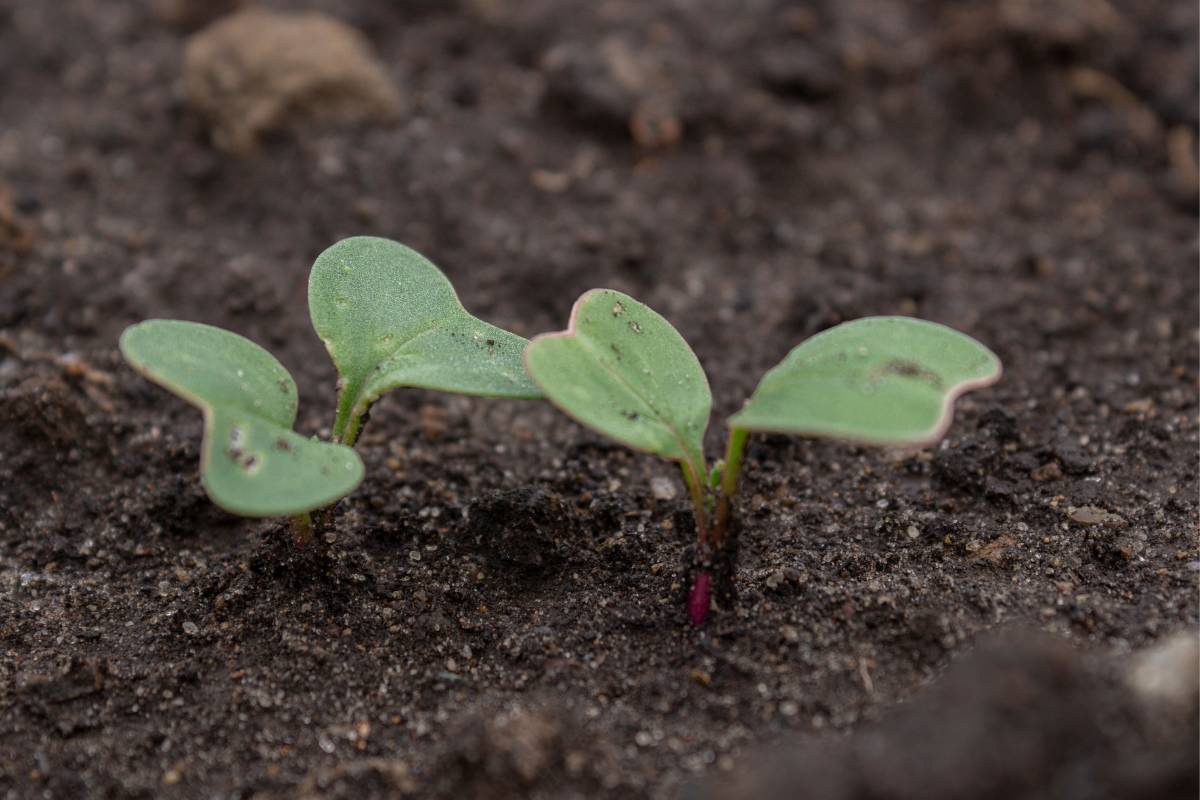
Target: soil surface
(497,611)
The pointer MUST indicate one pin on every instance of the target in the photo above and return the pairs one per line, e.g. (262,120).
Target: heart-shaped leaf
(878,380)
(390,318)
(251,462)
(621,369)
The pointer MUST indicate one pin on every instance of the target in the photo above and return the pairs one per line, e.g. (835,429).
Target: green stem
(696,491)
(350,430)
(302,530)
(347,422)
(729,482)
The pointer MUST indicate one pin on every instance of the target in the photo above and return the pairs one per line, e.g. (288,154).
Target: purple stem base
(698,599)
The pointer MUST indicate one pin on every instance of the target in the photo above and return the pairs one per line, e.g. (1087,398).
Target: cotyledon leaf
(251,462)
(390,318)
(623,370)
(877,380)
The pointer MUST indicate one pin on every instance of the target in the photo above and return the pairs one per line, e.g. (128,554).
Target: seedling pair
(388,317)
(623,370)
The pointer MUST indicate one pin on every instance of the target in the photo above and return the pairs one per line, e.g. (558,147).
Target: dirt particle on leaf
(247,461)
(911,369)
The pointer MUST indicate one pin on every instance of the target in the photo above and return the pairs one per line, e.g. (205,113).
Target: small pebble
(663,488)
(191,628)
(1143,406)
(1047,472)
(1093,515)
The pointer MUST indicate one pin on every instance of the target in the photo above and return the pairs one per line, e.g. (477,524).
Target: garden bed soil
(497,611)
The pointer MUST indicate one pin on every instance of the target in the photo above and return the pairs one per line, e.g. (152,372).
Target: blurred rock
(1023,717)
(662,487)
(257,71)
(1166,677)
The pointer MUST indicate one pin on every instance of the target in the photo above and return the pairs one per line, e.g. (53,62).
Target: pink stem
(698,599)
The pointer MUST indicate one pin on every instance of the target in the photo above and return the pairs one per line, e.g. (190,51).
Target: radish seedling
(388,317)
(251,462)
(623,370)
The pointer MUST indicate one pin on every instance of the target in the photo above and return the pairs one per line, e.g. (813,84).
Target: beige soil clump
(256,71)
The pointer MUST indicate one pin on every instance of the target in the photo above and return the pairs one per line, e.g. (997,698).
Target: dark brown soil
(496,613)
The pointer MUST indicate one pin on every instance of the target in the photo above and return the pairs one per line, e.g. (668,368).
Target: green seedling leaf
(390,318)
(621,369)
(878,380)
(715,474)
(251,462)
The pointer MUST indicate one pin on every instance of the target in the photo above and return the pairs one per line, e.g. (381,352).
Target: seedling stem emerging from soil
(623,370)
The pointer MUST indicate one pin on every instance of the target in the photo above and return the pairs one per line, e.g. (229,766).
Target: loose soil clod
(257,70)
